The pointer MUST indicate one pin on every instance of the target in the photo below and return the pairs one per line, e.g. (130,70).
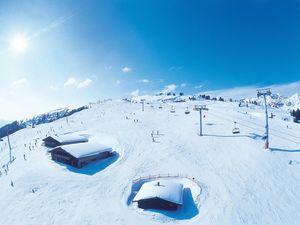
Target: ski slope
(238,181)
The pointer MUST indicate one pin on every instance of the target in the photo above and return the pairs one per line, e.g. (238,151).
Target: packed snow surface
(85,149)
(169,191)
(241,182)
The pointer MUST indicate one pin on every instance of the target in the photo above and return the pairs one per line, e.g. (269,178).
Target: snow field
(243,183)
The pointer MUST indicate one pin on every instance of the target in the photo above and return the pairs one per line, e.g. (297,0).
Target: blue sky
(67,53)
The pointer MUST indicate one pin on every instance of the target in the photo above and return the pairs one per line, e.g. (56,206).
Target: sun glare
(18,44)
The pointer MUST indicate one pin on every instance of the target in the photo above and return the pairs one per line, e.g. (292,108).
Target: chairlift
(187,111)
(235,130)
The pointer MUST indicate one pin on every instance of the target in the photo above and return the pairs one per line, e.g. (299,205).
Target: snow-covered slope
(239,182)
(293,102)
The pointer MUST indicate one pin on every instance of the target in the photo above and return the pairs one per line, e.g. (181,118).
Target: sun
(18,44)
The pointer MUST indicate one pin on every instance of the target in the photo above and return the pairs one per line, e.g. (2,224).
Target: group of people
(153,133)
(5,167)
(30,146)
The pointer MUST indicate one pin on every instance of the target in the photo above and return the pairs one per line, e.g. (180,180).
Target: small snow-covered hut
(54,141)
(81,154)
(163,195)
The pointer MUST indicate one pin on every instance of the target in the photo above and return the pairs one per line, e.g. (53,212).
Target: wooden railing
(157,176)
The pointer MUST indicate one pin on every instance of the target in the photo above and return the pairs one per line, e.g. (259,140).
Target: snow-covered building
(54,141)
(81,154)
(165,195)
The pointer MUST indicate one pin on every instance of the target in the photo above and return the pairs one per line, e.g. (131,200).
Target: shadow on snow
(225,136)
(187,211)
(255,136)
(94,167)
(250,135)
(283,150)
(210,124)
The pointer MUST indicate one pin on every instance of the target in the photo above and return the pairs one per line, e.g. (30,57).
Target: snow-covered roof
(166,190)
(70,138)
(85,149)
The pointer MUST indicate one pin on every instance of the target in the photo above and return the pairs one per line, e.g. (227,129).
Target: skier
(12,183)
(24,157)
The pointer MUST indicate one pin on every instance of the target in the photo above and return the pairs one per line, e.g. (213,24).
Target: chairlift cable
(290,135)
(271,133)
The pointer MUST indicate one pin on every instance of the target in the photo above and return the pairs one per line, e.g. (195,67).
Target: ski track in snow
(241,182)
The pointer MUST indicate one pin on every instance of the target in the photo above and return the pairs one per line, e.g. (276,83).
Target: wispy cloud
(171,68)
(17,84)
(169,88)
(183,85)
(126,69)
(118,82)
(199,86)
(53,24)
(84,83)
(73,82)
(135,93)
(145,81)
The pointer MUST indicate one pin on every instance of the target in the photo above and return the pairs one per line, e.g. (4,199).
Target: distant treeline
(41,119)
(296,115)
